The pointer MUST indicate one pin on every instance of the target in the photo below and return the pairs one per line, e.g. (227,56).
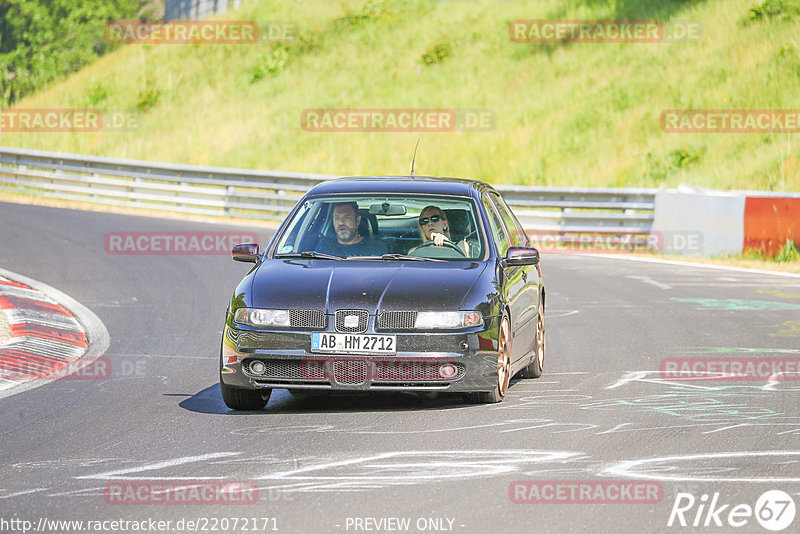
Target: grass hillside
(567,114)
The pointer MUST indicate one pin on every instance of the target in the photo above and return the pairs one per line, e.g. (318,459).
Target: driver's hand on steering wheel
(438,239)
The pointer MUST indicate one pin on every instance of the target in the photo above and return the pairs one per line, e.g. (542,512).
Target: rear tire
(244,399)
(534,369)
(503,367)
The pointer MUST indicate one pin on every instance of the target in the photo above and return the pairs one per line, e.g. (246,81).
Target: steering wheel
(446,245)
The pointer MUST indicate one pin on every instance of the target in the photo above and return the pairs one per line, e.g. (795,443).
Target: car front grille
(308,319)
(342,316)
(397,320)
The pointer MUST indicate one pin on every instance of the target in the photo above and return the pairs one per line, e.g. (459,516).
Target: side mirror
(521,256)
(245,252)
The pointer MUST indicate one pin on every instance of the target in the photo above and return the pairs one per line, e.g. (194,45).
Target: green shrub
(774,9)
(683,157)
(789,252)
(97,93)
(658,170)
(436,53)
(373,11)
(147,98)
(272,62)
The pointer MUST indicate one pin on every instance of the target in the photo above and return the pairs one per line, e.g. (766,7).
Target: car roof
(400,184)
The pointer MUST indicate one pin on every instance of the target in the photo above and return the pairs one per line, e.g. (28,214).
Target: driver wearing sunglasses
(434,226)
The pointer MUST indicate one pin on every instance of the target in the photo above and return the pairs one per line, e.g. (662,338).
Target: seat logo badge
(351,321)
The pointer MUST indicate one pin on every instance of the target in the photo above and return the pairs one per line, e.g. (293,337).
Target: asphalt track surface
(600,412)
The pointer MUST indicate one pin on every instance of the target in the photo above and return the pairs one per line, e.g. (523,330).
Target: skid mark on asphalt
(348,473)
(740,466)
(68,462)
(405,468)
(511,425)
(123,474)
(647,280)
(4,495)
(413,467)
(703,408)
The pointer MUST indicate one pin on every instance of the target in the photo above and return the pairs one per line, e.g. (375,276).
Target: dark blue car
(386,284)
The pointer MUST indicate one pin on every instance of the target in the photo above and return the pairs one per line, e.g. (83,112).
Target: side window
(517,235)
(498,230)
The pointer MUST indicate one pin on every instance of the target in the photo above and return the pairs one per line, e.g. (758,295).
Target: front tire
(503,366)
(244,399)
(241,399)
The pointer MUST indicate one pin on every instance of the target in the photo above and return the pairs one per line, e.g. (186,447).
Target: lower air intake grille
(298,369)
(390,371)
(350,372)
(355,372)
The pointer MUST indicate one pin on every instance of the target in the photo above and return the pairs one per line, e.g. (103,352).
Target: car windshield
(386,227)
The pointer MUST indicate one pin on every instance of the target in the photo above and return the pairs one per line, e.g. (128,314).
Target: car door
(526,281)
(511,277)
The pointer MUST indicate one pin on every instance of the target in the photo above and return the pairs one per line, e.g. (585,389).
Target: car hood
(368,285)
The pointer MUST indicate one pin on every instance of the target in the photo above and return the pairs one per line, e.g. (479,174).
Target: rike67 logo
(774,510)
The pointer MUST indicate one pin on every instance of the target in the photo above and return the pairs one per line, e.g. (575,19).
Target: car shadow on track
(209,401)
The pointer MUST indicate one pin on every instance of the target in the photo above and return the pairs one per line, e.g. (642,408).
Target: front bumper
(443,361)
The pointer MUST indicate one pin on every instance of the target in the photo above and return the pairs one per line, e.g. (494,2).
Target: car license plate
(353,343)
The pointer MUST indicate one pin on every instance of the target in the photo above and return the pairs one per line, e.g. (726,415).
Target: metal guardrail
(270,195)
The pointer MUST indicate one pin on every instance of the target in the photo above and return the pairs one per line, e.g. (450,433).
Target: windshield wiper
(311,255)
(406,257)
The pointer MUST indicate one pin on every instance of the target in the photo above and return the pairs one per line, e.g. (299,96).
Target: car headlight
(448,319)
(261,317)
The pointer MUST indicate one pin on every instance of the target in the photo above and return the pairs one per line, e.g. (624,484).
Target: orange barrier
(769,222)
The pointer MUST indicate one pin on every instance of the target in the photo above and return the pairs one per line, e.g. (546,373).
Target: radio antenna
(415,157)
